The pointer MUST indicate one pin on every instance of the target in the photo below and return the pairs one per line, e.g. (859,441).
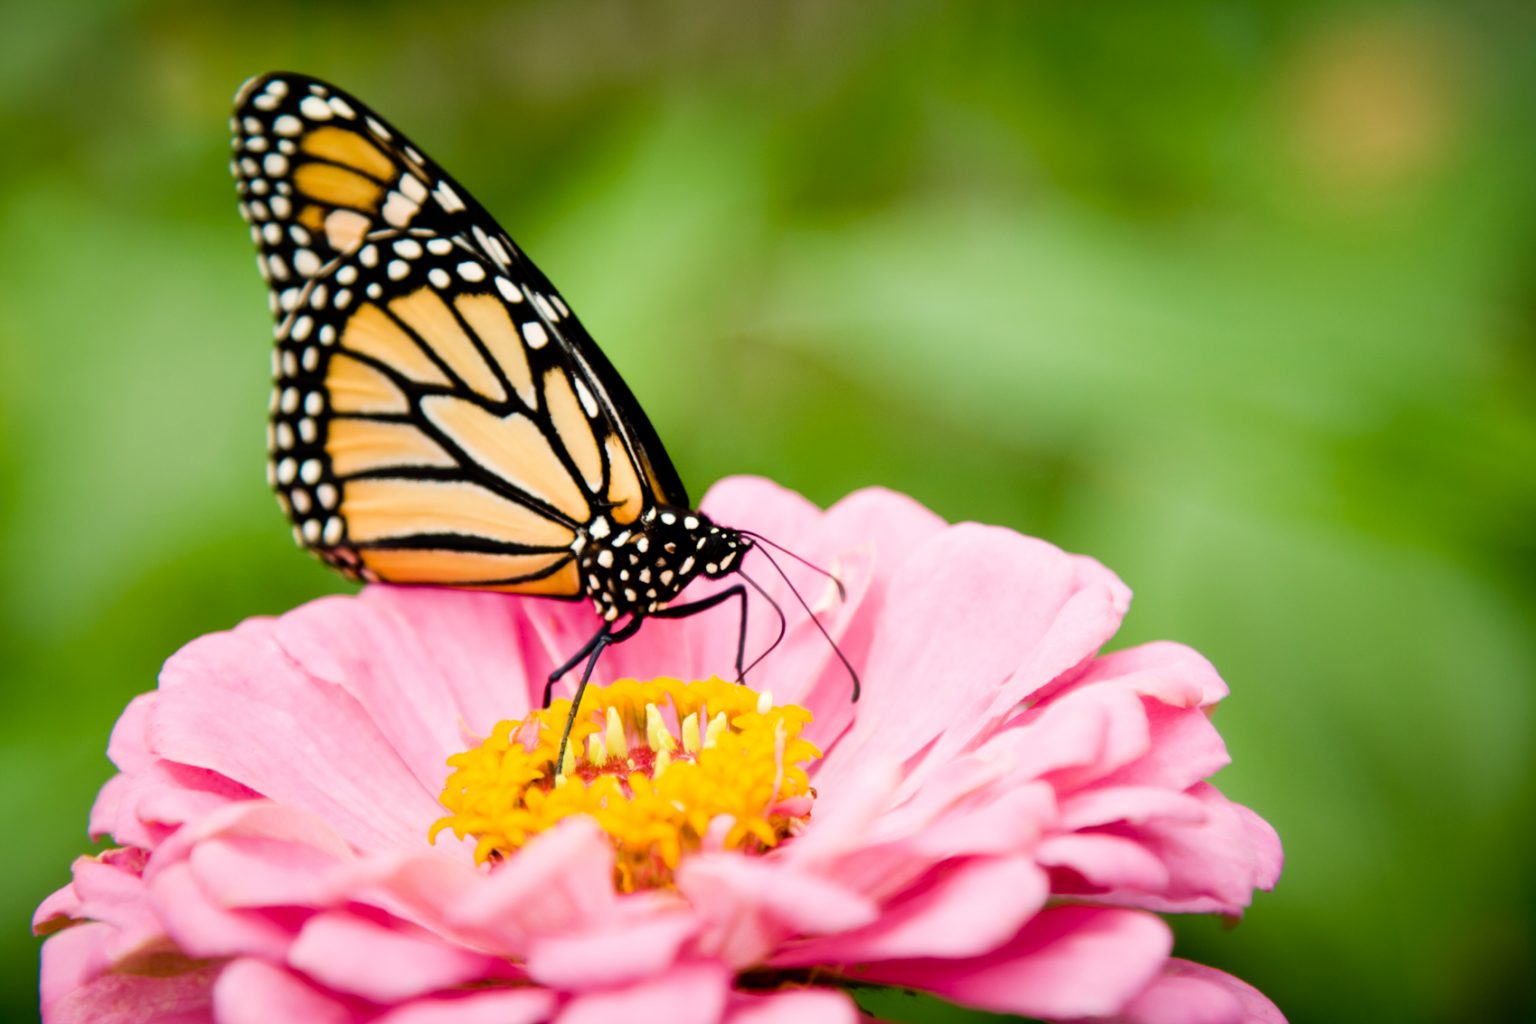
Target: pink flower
(997,821)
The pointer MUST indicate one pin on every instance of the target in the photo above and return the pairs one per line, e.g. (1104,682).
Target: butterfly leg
(591,650)
(575,659)
(703,604)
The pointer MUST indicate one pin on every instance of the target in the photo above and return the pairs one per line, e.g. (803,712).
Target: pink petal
(1076,739)
(254,992)
(1069,962)
(72,959)
(143,808)
(427,667)
(203,929)
(1215,861)
(522,1006)
(128,747)
(71,995)
(563,879)
(380,963)
(1188,993)
(260,854)
(750,904)
(235,703)
(1167,672)
(794,1006)
(1105,861)
(626,952)
(966,910)
(481,647)
(938,667)
(687,994)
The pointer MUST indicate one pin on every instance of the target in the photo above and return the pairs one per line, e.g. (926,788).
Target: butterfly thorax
(637,569)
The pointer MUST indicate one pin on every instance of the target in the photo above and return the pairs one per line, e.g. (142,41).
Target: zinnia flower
(998,820)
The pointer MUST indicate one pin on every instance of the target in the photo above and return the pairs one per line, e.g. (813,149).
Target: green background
(1235,297)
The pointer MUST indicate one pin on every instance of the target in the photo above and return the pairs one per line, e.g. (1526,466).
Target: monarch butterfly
(439,415)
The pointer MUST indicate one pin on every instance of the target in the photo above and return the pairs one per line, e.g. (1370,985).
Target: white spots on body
(301,328)
(439,277)
(508,290)
(314,403)
(408,247)
(412,188)
(311,530)
(341,107)
(439,246)
(310,471)
(306,262)
(287,124)
(286,470)
(471,271)
(398,269)
(332,533)
(533,334)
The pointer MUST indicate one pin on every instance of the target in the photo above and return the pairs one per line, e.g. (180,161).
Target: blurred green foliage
(1234,296)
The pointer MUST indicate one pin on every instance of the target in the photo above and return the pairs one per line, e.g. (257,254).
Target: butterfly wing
(439,415)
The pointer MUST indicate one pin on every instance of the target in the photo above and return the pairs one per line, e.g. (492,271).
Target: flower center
(664,767)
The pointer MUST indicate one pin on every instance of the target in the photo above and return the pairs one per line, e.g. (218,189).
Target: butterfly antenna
(783,622)
(822,629)
(842,592)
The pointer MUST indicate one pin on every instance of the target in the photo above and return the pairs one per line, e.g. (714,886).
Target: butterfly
(439,415)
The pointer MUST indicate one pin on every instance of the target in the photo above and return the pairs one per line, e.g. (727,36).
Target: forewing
(321,175)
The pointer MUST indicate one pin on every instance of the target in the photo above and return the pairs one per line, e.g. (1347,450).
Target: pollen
(665,768)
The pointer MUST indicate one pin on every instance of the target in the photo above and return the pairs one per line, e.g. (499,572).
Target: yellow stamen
(618,746)
(656,735)
(717,727)
(744,778)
